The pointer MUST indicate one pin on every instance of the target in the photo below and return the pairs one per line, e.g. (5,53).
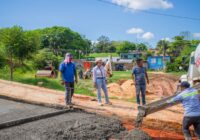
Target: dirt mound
(137,134)
(160,85)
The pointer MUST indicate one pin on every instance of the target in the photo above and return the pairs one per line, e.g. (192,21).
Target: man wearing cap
(140,77)
(190,99)
(69,75)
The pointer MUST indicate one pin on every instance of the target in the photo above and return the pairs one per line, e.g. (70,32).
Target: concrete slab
(10,110)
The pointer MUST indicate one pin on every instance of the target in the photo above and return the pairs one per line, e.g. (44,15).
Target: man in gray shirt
(140,77)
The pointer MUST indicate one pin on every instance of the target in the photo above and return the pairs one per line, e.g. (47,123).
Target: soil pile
(137,134)
(160,85)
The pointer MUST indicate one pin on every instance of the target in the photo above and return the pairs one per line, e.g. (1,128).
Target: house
(132,55)
(157,62)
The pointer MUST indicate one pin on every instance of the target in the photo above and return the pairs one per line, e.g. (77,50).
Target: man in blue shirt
(140,77)
(68,73)
(190,99)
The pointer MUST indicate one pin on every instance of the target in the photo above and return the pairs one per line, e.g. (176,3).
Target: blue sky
(93,18)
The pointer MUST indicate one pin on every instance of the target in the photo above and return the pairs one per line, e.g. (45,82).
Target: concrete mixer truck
(193,74)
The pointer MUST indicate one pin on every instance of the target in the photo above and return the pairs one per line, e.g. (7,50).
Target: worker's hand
(76,80)
(95,85)
(148,81)
(133,83)
(62,82)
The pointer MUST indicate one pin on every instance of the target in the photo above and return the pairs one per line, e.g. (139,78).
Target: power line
(153,13)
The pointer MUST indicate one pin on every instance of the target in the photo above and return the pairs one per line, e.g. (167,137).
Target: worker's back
(190,99)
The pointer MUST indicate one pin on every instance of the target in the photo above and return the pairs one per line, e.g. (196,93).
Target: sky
(120,20)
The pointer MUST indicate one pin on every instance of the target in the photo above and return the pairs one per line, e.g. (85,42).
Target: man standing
(190,99)
(68,72)
(140,77)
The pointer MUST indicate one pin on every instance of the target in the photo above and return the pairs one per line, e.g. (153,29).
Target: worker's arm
(61,69)
(75,74)
(177,98)
(94,77)
(147,77)
(133,75)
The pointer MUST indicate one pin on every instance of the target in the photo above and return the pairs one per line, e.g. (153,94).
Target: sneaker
(100,104)
(108,103)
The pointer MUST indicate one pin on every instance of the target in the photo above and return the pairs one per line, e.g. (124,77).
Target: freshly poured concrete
(77,125)
(10,110)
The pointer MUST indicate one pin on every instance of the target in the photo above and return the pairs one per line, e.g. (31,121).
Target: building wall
(156,62)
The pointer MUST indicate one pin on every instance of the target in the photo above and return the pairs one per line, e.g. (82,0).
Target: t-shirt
(68,71)
(140,74)
(190,99)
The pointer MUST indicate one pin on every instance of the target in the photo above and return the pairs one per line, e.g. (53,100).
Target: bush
(170,67)
(43,57)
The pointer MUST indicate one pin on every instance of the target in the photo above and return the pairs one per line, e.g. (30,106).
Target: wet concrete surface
(10,110)
(76,125)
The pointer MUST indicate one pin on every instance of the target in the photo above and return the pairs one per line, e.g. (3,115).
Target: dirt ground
(164,124)
(161,85)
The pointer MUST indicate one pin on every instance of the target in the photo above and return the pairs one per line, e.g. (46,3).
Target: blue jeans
(140,89)
(101,84)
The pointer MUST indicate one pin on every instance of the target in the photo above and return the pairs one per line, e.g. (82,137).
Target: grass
(85,88)
(118,75)
(103,54)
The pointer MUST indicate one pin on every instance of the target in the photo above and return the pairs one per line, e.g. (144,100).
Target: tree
(61,40)
(43,57)
(163,47)
(125,47)
(103,44)
(17,45)
(141,47)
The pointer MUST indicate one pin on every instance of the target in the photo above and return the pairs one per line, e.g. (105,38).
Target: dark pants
(69,86)
(140,89)
(189,121)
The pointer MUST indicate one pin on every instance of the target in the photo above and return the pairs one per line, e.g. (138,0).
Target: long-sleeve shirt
(190,99)
(98,72)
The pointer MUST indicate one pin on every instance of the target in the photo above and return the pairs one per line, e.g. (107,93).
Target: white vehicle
(193,75)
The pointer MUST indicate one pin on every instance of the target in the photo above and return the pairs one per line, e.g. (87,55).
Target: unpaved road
(166,123)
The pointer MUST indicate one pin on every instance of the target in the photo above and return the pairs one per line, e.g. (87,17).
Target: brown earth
(160,85)
(162,125)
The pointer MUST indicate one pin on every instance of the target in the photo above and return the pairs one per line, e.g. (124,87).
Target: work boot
(100,104)
(108,103)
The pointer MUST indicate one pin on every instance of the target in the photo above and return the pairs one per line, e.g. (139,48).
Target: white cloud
(196,35)
(135,31)
(144,4)
(147,36)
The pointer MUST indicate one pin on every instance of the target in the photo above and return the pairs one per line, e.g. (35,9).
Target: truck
(193,74)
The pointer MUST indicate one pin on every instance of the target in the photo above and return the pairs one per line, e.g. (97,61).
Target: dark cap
(185,84)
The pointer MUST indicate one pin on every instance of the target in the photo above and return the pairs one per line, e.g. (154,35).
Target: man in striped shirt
(190,99)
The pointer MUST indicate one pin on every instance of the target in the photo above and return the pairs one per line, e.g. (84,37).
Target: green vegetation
(103,54)
(120,75)
(179,50)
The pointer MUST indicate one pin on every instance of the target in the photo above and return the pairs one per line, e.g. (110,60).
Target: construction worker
(100,82)
(140,76)
(68,73)
(190,99)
